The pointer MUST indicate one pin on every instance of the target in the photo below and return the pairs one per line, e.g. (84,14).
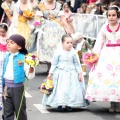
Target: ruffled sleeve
(100,40)
(7,10)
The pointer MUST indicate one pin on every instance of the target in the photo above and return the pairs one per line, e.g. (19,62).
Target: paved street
(35,111)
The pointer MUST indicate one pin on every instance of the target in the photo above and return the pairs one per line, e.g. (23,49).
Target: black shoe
(59,108)
(2,117)
(69,109)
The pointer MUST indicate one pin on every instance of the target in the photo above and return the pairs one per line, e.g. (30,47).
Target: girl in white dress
(104,81)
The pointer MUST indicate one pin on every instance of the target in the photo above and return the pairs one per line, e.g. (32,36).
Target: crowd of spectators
(98,7)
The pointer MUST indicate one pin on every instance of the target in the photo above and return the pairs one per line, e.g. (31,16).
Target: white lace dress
(104,81)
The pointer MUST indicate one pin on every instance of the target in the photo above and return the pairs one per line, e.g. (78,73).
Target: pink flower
(89,59)
(37,24)
(33,57)
(118,67)
(113,74)
(109,67)
(118,100)
(113,92)
(109,41)
(106,99)
(118,41)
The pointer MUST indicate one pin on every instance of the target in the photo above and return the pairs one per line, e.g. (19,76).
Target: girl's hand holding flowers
(32,61)
(90,59)
(49,76)
(47,87)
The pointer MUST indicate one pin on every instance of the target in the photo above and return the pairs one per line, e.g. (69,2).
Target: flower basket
(47,87)
(29,14)
(45,91)
(90,59)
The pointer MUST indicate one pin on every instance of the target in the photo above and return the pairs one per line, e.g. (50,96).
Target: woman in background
(23,18)
(8,7)
(45,41)
(65,18)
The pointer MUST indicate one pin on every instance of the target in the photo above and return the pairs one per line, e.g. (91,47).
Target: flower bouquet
(47,87)
(38,24)
(31,60)
(90,59)
(29,14)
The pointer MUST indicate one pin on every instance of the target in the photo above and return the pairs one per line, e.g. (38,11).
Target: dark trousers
(12,103)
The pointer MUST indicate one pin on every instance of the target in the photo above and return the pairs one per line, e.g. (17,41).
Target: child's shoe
(69,109)
(59,108)
(117,107)
(113,106)
(2,117)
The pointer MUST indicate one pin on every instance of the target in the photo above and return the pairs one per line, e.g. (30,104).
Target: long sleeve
(54,62)
(100,40)
(77,63)
(28,75)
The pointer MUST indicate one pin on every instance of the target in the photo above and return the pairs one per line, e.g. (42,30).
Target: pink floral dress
(104,81)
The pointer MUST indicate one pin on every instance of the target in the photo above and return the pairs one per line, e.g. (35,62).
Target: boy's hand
(80,77)
(31,70)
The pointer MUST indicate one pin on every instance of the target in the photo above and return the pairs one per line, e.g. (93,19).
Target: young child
(3,49)
(81,46)
(104,82)
(67,77)
(14,74)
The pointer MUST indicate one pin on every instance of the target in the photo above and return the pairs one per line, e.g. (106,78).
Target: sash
(42,8)
(7,11)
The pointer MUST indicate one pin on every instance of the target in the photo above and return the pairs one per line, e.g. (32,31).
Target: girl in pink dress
(65,18)
(3,49)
